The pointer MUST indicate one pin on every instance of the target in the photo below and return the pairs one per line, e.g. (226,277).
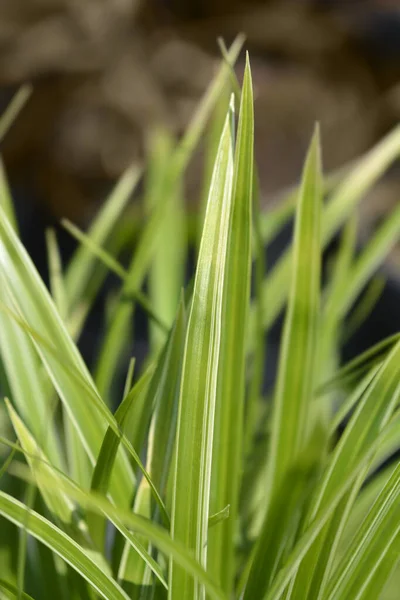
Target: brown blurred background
(103,71)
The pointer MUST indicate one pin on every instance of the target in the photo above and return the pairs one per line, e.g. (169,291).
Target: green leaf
(14,108)
(56,274)
(8,590)
(79,466)
(73,376)
(164,391)
(218,517)
(5,197)
(108,453)
(375,549)
(337,210)
(58,503)
(191,495)
(30,390)
(294,413)
(358,366)
(37,314)
(159,537)
(280,530)
(372,256)
(311,533)
(229,410)
(370,417)
(61,544)
(80,269)
(113,265)
(166,277)
(117,335)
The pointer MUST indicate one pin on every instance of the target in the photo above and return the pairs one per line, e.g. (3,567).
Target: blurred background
(106,72)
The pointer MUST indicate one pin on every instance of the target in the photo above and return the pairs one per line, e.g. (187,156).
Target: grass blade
(30,391)
(61,358)
(363,429)
(374,550)
(166,277)
(116,336)
(191,496)
(10,591)
(229,415)
(292,410)
(372,256)
(61,544)
(58,504)
(338,208)
(80,269)
(5,198)
(14,108)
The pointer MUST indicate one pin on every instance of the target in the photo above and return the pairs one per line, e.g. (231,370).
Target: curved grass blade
(156,534)
(30,391)
(352,400)
(164,390)
(108,452)
(52,483)
(375,549)
(119,489)
(358,366)
(296,558)
(8,590)
(78,467)
(229,411)
(61,544)
(58,503)
(372,414)
(191,491)
(164,394)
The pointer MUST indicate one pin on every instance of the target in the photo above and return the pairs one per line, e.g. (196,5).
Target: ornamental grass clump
(197,485)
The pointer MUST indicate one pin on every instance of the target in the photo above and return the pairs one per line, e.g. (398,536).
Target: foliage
(198,486)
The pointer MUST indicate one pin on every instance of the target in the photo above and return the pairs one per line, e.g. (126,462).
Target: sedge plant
(197,485)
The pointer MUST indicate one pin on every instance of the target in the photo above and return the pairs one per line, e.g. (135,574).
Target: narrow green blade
(118,333)
(61,544)
(371,415)
(57,502)
(31,392)
(60,357)
(387,235)
(14,108)
(228,430)
(293,418)
(159,536)
(166,277)
(191,496)
(5,197)
(374,551)
(358,366)
(338,208)
(8,590)
(80,269)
